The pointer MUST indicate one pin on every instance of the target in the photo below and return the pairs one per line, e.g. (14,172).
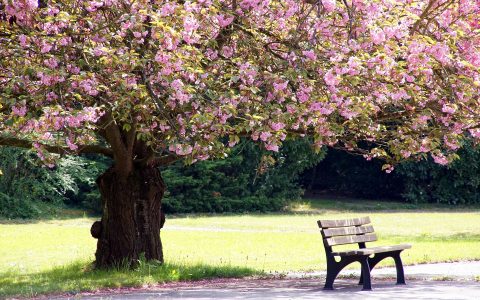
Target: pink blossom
(46,47)
(475,133)
(302,96)
(211,54)
(440,52)
(181,149)
(310,54)
(47,136)
(126,25)
(94,5)
(162,57)
(423,119)
(329,5)
(348,114)
(265,135)
(277,126)
(378,36)
(303,93)
(190,24)
(448,109)
(224,20)
(52,63)
(19,111)
(227,51)
(451,143)
(353,65)
(177,84)
(280,86)
(32,4)
(98,51)
(88,86)
(440,159)
(73,69)
(23,40)
(272,147)
(51,96)
(71,145)
(167,9)
(424,147)
(65,41)
(331,79)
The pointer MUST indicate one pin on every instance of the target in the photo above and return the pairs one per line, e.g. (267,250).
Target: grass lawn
(47,256)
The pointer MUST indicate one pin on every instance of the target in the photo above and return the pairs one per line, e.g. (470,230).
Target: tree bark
(132,217)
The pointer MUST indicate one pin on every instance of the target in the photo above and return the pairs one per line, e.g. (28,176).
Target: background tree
(148,82)
(250,179)
(30,190)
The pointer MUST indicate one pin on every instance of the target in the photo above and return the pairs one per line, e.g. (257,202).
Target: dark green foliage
(342,173)
(420,181)
(24,178)
(11,207)
(251,179)
(84,172)
(28,189)
(458,183)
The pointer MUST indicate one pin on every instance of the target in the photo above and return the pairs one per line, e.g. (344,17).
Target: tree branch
(82,149)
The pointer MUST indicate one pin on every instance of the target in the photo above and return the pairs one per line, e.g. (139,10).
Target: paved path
(303,289)
(309,286)
(441,271)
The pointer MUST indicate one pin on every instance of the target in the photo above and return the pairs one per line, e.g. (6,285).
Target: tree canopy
(189,78)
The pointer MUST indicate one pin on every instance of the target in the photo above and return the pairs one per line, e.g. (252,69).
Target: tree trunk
(132,217)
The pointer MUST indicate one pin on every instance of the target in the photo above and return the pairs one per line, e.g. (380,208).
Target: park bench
(356,231)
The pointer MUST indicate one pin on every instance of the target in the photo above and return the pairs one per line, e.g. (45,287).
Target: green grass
(47,256)
(77,277)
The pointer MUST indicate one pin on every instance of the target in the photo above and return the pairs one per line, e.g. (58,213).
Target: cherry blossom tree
(148,82)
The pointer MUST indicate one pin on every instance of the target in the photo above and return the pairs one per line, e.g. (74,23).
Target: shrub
(352,175)
(458,183)
(11,207)
(26,185)
(251,179)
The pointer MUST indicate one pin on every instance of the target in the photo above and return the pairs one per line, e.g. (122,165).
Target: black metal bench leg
(329,281)
(372,262)
(399,267)
(367,284)
(333,268)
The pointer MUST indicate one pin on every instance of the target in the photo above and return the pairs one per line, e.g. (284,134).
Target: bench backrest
(349,231)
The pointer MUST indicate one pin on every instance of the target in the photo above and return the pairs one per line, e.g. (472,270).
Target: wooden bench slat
(350,239)
(347,230)
(373,250)
(343,223)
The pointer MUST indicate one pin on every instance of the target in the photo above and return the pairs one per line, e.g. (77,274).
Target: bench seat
(372,250)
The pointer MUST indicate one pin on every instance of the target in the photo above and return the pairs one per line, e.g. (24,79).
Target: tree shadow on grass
(80,276)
